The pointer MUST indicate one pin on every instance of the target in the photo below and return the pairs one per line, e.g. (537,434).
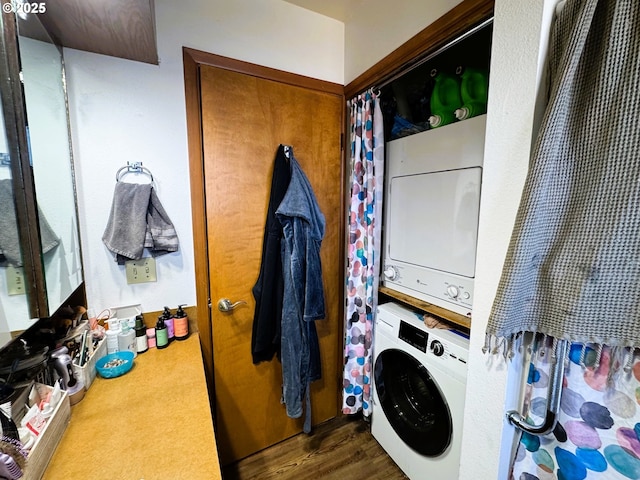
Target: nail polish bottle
(181,324)
(162,337)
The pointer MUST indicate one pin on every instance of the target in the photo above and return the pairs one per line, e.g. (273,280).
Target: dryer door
(412,402)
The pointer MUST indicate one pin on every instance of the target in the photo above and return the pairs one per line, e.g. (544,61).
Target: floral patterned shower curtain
(363,256)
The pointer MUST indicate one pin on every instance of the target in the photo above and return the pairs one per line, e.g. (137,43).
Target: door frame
(192,60)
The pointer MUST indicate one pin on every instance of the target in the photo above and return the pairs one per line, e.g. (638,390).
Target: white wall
(127,111)
(376,28)
(519,48)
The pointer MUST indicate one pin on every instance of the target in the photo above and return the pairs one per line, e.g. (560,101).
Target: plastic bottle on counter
(127,339)
(162,335)
(151,337)
(168,321)
(181,324)
(113,330)
(142,344)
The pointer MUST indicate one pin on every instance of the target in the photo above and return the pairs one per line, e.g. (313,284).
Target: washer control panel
(445,349)
(413,336)
(437,348)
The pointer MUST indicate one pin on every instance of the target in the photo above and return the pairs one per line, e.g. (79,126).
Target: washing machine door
(412,402)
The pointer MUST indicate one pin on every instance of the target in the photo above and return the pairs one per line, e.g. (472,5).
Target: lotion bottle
(127,339)
(113,330)
(142,344)
(168,321)
(162,337)
(181,324)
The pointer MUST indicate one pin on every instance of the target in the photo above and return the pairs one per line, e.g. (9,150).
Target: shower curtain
(572,271)
(363,256)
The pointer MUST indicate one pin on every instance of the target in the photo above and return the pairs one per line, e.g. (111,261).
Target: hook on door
(554,395)
(225,305)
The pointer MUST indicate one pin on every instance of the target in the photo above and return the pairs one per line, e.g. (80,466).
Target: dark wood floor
(342,448)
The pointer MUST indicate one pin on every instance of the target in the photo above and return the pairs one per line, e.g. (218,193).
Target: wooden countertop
(152,423)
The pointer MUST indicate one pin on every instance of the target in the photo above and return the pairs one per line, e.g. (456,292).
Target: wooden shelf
(449,316)
(119,28)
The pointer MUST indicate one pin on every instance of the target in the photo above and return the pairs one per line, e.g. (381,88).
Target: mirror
(47,120)
(14,307)
(38,182)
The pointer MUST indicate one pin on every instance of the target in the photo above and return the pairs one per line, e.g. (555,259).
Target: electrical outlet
(15,281)
(141,271)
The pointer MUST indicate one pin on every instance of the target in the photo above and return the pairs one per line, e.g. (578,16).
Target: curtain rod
(433,54)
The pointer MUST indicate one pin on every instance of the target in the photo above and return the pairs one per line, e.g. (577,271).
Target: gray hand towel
(138,220)
(160,235)
(10,253)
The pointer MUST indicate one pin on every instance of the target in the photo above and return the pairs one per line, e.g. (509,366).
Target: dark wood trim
(451,25)
(199,220)
(192,59)
(204,58)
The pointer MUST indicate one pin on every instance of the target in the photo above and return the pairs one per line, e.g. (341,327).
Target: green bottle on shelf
(474,89)
(445,98)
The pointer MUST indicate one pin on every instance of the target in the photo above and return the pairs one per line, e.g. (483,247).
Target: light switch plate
(141,271)
(15,281)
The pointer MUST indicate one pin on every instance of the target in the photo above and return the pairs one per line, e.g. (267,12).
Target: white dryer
(418,393)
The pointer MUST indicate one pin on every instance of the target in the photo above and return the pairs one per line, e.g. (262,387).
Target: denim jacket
(303,225)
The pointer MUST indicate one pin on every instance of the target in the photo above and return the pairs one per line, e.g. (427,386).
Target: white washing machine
(418,393)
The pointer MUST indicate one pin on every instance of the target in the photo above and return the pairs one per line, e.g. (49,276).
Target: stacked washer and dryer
(431,203)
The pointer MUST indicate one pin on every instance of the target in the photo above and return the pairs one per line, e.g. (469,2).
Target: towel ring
(133,167)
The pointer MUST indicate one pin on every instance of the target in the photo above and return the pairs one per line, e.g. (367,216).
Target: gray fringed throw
(573,266)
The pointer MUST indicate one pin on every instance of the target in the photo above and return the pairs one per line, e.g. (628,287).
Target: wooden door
(244,120)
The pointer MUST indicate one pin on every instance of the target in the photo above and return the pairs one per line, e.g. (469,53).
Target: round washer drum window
(412,402)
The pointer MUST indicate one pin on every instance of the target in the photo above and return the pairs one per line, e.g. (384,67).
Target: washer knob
(437,348)
(453,291)
(391,273)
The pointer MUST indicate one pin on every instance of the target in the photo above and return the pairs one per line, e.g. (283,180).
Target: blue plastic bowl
(104,368)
